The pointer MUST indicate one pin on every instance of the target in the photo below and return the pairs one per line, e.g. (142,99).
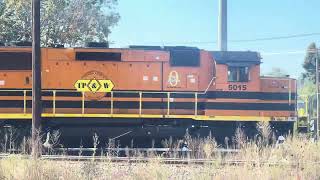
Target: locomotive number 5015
(238,87)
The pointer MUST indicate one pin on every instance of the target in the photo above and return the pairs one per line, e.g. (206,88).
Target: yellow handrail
(111,103)
(140,103)
(196,104)
(54,102)
(168,104)
(24,102)
(83,99)
(83,102)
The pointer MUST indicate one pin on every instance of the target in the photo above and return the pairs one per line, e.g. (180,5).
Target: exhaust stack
(223,26)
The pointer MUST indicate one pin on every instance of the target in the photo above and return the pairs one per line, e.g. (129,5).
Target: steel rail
(178,161)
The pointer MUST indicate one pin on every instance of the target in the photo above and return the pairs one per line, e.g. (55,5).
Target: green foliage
(310,63)
(69,22)
(307,89)
(15,20)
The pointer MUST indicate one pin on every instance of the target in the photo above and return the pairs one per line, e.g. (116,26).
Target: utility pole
(223,26)
(316,124)
(36,78)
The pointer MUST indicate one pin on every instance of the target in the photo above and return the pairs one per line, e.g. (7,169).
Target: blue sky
(193,23)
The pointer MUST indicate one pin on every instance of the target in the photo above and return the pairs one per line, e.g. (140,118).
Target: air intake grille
(185,57)
(98,56)
(15,61)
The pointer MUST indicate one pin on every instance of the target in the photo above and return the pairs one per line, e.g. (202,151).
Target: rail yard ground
(297,158)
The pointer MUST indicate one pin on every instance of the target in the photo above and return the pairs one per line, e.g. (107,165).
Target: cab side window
(238,74)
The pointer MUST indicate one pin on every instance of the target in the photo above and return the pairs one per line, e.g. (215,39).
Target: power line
(278,37)
(288,52)
(283,52)
(243,40)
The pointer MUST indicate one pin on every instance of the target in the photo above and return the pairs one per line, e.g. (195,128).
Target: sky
(194,23)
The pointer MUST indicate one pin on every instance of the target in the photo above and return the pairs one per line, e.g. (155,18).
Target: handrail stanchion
(24,102)
(111,105)
(140,103)
(82,102)
(54,102)
(196,104)
(168,104)
(289,91)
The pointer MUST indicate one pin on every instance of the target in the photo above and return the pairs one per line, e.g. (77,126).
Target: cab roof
(230,57)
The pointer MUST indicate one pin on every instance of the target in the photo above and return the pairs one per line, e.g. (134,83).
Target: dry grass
(295,159)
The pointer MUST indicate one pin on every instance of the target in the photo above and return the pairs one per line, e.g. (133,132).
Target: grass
(297,158)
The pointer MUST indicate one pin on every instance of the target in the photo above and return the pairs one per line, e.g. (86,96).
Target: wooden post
(36,78)
(316,124)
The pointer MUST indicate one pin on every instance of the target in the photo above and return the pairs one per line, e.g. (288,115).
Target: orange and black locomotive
(145,92)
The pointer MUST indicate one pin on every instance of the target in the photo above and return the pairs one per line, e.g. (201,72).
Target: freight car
(144,93)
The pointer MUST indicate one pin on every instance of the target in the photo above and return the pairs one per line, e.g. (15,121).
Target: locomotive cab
(238,71)
(240,91)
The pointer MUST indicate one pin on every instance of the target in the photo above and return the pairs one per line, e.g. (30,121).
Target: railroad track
(114,159)
(177,161)
(161,150)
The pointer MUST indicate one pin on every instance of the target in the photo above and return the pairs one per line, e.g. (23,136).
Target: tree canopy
(68,22)
(309,64)
(307,88)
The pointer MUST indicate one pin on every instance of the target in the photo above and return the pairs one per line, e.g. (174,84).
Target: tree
(277,72)
(68,22)
(307,88)
(310,63)
(15,20)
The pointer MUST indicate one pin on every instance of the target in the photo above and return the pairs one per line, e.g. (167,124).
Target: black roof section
(138,47)
(180,56)
(162,48)
(227,57)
